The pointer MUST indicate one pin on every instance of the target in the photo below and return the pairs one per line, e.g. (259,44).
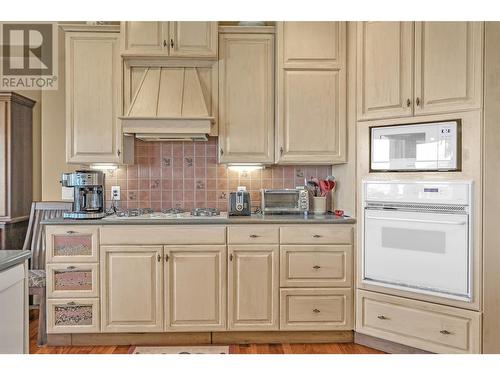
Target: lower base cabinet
(195,279)
(76,315)
(131,288)
(253,284)
(316,309)
(422,325)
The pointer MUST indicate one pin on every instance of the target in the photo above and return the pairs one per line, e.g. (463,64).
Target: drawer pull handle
(316,236)
(445,332)
(70,232)
(70,267)
(254,236)
(382,317)
(316,267)
(71,303)
(316,311)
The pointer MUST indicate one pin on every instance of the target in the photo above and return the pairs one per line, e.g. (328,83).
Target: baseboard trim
(200,338)
(385,345)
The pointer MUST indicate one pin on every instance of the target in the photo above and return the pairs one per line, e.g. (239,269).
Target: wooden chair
(35,243)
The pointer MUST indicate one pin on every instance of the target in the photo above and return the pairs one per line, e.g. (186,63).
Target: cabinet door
(195,287)
(448,66)
(193,39)
(93,133)
(253,287)
(385,74)
(144,37)
(131,288)
(313,43)
(246,101)
(311,93)
(313,124)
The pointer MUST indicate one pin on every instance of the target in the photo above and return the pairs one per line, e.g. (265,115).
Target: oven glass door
(404,148)
(419,251)
(281,200)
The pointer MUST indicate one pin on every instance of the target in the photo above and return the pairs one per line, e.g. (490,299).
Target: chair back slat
(34,236)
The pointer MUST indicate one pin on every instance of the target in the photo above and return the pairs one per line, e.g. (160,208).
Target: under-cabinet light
(245,167)
(104,167)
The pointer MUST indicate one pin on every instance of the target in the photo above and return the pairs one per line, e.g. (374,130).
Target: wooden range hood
(168,105)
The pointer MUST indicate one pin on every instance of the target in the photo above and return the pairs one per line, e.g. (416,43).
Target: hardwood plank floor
(350,348)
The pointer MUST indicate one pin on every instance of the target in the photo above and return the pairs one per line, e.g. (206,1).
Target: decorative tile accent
(186,174)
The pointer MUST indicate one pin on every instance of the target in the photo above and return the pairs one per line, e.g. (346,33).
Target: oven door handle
(418,220)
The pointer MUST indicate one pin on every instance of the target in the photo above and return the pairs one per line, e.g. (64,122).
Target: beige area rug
(179,350)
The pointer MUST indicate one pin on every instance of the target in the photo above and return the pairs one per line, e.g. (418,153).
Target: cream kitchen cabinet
(385,69)
(253,287)
(448,66)
(311,93)
(176,39)
(131,288)
(93,133)
(246,98)
(195,288)
(418,68)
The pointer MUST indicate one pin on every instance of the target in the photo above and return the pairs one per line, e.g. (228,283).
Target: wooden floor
(236,349)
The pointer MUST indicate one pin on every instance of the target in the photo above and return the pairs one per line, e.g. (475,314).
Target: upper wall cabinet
(418,68)
(246,98)
(311,93)
(175,39)
(93,133)
(384,65)
(448,66)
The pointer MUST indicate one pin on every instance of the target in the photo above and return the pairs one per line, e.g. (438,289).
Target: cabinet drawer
(163,235)
(322,265)
(316,309)
(70,244)
(422,325)
(80,315)
(72,280)
(253,234)
(316,234)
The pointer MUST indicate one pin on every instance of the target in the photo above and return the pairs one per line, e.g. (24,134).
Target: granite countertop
(10,258)
(254,219)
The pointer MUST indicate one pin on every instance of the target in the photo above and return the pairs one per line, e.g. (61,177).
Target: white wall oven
(416,147)
(417,236)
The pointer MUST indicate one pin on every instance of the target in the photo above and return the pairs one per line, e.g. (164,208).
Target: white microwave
(416,147)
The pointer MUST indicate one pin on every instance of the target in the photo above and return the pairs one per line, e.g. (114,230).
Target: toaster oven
(284,201)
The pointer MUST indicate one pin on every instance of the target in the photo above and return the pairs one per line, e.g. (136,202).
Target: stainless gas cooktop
(169,213)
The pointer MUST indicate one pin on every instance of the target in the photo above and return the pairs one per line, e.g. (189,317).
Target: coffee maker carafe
(88,194)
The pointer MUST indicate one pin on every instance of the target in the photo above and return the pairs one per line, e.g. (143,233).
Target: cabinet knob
(316,267)
(254,236)
(221,151)
(281,150)
(158,257)
(118,152)
(408,102)
(417,101)
(382,317)
(70,232)
(164,43)
(231,257)
(70,267)
(316,311)
(171,43)
(316,236)
(166,257)
(445,332)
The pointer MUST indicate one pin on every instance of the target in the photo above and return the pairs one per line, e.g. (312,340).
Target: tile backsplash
(186,174)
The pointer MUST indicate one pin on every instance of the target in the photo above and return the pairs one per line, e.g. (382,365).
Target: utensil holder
(319,205)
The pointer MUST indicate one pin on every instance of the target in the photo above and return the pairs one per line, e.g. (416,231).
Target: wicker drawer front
(66,280)
(79,315)
(253,234)
(316,234)
(321,265)
(422,325)
(71,244)
(319,309)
